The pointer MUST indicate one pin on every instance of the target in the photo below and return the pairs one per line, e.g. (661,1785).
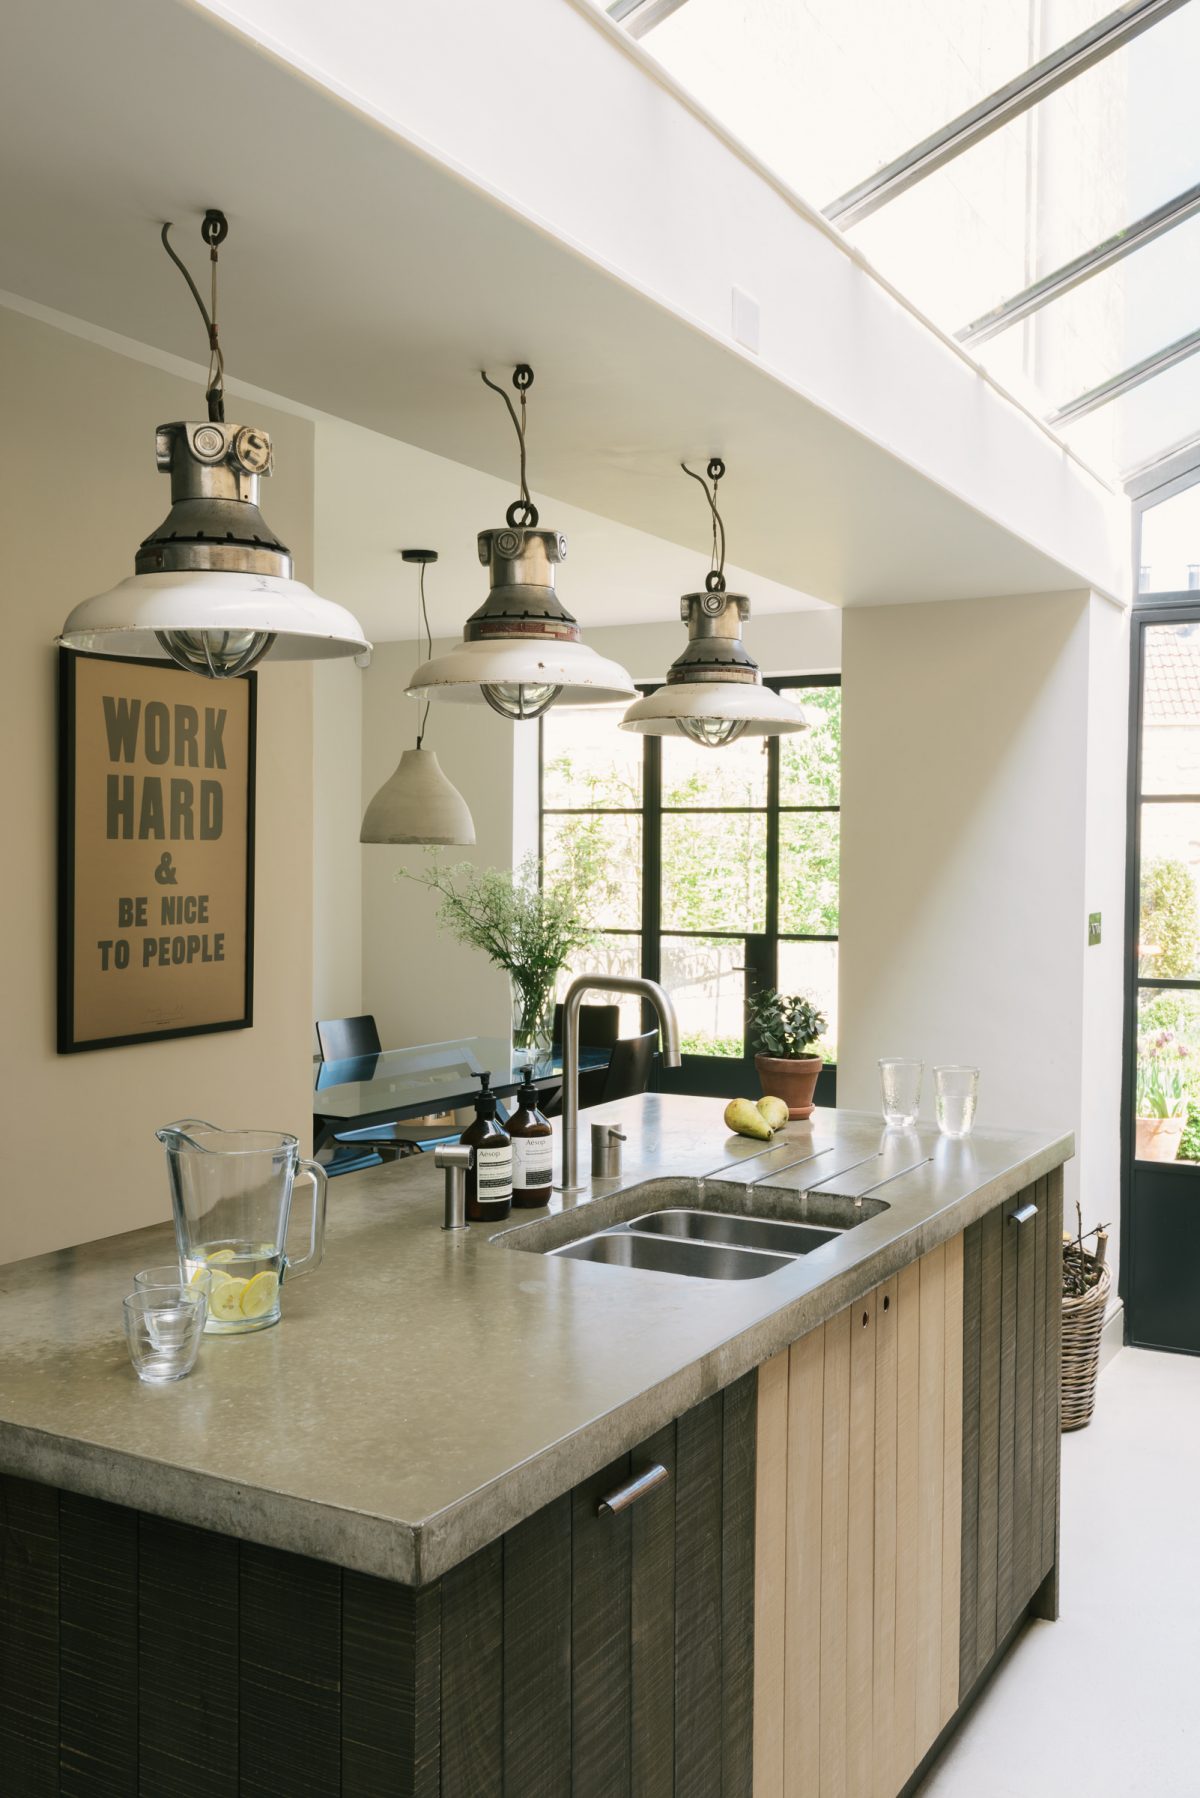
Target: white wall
(337,814)
(981,822)
(1104,891)
(420,984)
(668,205)
(81,490)
(375,496)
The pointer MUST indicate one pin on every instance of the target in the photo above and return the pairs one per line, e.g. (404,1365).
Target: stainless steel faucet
(456,1158)
(602,983)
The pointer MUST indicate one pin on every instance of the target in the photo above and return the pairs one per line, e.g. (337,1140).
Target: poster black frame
(65,922)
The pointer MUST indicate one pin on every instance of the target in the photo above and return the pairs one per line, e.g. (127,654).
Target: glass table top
(430,1077)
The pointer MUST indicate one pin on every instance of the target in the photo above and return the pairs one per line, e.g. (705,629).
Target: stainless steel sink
(709,1229)
(661,1254)
(739,1232)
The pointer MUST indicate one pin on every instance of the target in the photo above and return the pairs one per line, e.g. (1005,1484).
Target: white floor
(1107,1700)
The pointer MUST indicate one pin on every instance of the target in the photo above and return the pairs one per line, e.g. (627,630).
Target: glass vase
(532,1026)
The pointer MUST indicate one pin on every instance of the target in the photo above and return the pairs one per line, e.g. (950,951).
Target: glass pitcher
(231,1193)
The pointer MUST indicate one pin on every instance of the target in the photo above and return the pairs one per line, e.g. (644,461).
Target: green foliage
(1189,1142)
(529,930)
(810,764)
(714,867)
(699,1042)
(1161,1090)
(1170,925)
(784,1025)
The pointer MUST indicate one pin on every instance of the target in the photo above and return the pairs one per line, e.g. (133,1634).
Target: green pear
(744,1116)
(775,1111)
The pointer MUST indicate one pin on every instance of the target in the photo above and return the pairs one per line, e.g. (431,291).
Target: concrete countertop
(425,1391)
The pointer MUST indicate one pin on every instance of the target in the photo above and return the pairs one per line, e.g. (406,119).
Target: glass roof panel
(828,91)
(1084,163)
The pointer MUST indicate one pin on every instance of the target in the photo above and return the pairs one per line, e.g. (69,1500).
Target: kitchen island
(361,1552)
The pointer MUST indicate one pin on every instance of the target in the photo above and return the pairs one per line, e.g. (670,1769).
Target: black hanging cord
(522,512)
(428,650)
(715,580)
(213,231)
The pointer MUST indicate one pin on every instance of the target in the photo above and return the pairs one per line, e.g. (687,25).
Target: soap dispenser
(532,1148)
(490,1178)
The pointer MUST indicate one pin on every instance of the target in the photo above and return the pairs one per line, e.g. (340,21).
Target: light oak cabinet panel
(860,1482)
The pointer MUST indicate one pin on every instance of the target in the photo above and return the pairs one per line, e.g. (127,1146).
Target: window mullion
(772,918)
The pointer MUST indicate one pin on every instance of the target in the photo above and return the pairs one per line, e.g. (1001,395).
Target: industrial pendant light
(714,692)
(521,651)
(213,588)
(417,804)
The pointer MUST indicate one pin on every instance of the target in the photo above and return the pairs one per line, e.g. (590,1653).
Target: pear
(744,1116)
(775,1111)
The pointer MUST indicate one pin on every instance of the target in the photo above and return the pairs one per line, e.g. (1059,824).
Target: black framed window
(715,871)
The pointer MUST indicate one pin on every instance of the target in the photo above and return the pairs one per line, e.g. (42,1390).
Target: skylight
(1026,171)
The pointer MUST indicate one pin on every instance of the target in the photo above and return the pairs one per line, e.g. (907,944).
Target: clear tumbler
(901,1081)
(957,1092)
(163,1327)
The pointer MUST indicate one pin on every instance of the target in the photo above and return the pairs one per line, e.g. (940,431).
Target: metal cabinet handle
(623,1496)
(1023,1215)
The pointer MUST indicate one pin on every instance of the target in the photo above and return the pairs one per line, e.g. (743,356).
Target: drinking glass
(163,1327)
(901,1081)
(957,1091)
(171,1274)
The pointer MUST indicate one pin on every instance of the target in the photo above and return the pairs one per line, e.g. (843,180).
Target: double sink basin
(699,1229)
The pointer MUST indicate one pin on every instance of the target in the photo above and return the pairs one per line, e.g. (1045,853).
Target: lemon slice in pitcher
(260,1294)
(225,1299)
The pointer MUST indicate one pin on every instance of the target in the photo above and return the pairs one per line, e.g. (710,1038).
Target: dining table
(398,1084)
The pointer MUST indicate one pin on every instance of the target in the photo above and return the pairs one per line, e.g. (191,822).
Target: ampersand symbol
(165,873)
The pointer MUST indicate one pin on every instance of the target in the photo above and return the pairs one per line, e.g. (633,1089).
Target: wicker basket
(1082,1323)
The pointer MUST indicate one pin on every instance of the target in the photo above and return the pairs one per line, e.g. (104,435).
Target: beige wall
(80,490)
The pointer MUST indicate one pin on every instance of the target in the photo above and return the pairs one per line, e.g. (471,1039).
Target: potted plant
(528,929)
(1161,1109)
(786,1028)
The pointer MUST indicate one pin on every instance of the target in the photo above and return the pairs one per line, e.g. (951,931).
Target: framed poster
(156,852)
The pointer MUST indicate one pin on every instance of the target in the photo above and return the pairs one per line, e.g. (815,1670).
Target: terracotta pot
(792,1078)
(1157,1139)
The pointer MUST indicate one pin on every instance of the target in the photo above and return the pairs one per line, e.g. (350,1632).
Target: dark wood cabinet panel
(29,1637)
(537,1651)
(582,1654)
(98,1663)
(188,1601)
(1011,1326)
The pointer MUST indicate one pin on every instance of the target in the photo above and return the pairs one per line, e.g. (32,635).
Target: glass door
(1161,1233)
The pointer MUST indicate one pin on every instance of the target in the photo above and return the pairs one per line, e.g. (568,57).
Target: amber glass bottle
(532,1149)
(489,1178)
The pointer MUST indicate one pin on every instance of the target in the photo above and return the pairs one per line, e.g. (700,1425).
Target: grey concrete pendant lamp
(417,804)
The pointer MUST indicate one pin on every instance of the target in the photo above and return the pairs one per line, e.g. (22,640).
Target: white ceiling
(371,283)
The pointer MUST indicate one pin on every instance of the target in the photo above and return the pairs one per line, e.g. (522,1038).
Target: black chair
(342,1039)
(629,1065)
(357,1039)
(599,1025)
(627,1073)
